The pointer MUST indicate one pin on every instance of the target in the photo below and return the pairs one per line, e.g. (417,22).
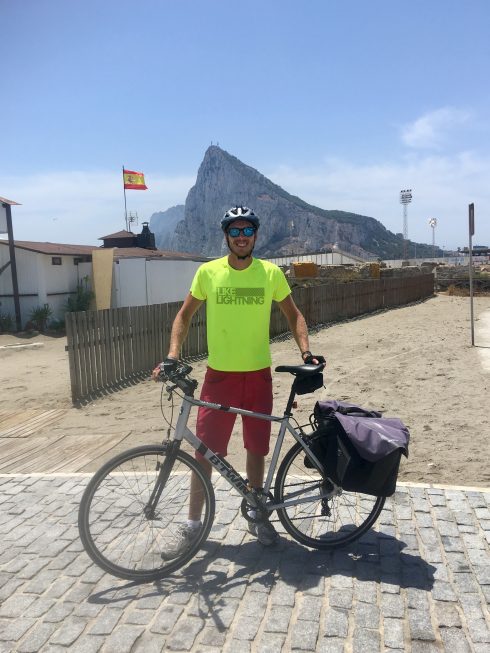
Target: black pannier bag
(360,450)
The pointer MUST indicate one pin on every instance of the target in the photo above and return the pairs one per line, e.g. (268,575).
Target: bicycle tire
(351,513)
(113,528)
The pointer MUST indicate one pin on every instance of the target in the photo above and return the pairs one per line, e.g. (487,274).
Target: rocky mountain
(288,224)
(163,223)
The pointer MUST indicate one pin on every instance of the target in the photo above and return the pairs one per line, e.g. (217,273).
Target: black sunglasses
(234,232)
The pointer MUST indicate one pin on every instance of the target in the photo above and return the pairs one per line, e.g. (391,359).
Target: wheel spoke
(323,522)
(114,528)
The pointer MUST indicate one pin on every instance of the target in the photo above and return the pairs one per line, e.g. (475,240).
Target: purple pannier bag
(369,446)
(373,436)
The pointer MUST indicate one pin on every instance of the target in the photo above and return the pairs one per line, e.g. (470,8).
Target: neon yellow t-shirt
(238,309)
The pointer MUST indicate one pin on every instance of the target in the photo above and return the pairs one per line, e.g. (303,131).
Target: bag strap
(357,412)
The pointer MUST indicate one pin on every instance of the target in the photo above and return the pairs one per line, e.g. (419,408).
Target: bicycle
(132,507)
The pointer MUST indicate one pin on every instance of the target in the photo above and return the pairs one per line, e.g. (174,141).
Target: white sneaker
(264,531)
(184,538)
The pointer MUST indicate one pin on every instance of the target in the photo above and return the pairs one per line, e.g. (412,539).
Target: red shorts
(248,390)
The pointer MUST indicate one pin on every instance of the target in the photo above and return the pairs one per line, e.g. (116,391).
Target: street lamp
(433,225)
(405,199)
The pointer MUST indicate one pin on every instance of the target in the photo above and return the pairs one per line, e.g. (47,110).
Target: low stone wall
(444,275)
(347,273)
(407,271)
(459,277)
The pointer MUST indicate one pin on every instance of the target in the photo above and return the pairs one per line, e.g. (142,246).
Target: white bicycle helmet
(239,213)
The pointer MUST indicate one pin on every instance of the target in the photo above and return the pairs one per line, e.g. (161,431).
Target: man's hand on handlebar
(313,359)
(164,369)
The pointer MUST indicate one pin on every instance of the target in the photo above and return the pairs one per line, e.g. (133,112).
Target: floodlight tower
(405,199)
(433,224)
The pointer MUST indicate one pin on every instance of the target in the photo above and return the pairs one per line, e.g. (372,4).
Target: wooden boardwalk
(28,446)
(27,422)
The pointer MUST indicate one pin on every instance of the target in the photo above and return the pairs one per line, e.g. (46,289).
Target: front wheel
(320,523)
(118,530)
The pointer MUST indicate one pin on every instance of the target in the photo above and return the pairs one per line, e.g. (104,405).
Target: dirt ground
(415,363)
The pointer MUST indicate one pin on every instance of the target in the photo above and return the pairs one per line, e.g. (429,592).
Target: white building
(134,273)
(48,273)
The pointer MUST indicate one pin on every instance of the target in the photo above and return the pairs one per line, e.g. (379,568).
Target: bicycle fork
(165,468)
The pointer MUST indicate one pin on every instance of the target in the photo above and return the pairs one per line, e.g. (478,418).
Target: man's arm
(181,324)
(296,321)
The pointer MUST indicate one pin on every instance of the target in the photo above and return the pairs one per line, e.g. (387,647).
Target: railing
(115,347)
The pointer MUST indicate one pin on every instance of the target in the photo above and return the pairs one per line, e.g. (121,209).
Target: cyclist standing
(238,290)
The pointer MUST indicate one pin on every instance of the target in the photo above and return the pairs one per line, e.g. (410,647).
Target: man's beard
(239,256)
(242,258)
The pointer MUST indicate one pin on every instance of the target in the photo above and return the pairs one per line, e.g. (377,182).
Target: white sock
(193,523)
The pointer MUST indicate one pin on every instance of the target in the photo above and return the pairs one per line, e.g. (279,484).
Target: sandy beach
(415,363)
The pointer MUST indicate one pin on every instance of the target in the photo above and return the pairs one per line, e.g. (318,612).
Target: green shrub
(57,325)
(6,323)
(82,298)
(39,317)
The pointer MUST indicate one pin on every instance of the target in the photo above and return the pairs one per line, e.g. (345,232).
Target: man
(238,290)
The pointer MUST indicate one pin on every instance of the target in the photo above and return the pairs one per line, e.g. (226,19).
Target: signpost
(7,224)
(471,230)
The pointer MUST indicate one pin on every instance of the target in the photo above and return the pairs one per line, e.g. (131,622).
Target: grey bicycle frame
(182,432)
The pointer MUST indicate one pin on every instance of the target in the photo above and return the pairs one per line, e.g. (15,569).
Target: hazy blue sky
(343,103)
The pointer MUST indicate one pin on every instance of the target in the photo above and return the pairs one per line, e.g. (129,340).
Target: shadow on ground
(223,572)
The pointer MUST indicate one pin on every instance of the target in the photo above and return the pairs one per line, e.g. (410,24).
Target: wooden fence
(116,347)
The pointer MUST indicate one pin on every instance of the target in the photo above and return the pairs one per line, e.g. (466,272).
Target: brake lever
(170,389)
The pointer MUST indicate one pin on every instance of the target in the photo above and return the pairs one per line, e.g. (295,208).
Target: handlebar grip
(173,371)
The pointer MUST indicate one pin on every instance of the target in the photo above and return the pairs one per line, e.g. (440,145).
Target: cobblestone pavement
(419,583)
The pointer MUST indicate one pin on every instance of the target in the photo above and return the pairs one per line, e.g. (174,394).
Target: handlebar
(179,377)
(308,377)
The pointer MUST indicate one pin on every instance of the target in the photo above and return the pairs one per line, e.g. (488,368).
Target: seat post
(289,405)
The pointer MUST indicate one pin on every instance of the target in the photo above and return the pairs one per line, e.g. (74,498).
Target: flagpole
(125,207)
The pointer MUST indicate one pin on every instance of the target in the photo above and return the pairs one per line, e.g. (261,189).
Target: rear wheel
(320,523)
(118,531)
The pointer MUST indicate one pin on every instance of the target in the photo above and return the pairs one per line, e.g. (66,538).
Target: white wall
(448,260)
(169,281)
(320,258)
(40,282)
(129,288)
(135,282)
(139,281)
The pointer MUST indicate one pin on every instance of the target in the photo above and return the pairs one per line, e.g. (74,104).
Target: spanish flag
(134,180)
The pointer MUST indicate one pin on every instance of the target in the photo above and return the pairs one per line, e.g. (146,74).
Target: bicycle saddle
(301,370)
